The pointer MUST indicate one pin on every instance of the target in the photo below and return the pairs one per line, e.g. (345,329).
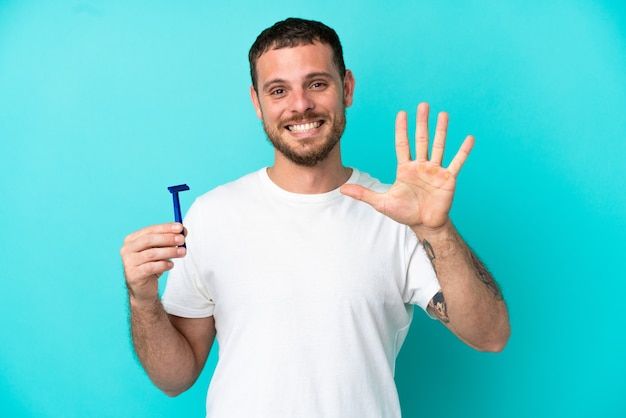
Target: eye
(318,85)
(277,92)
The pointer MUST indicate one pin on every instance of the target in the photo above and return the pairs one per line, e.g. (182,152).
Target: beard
(305,152)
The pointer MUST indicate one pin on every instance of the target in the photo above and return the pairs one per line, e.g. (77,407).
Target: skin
(300,85)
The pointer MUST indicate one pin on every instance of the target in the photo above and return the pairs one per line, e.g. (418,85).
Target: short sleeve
(421,280)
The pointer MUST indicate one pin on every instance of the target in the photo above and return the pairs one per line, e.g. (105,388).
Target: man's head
(301,90)
(295,32)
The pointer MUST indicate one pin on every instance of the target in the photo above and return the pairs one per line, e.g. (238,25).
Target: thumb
(361,193)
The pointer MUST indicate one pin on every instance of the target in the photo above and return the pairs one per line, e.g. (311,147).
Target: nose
(301,101)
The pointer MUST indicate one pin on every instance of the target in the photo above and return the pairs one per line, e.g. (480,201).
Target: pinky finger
(461,156)
(155,268)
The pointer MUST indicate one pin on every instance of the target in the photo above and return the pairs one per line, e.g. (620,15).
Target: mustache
(302,117)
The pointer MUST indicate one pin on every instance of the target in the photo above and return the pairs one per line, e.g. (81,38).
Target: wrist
(434,234)
(142,302)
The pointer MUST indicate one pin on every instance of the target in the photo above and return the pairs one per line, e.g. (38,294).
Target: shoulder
(240,188)
(228,199)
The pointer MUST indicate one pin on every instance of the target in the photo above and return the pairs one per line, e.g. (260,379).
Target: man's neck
(323,177)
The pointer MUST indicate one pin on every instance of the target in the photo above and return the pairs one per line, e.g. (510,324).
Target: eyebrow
(309,76)
(323,74)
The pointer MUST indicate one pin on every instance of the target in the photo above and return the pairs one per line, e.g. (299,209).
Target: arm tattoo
(485,277)
(437,305)
(430,252)
(437,308)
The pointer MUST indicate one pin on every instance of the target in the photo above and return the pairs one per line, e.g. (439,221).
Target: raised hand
(422,194)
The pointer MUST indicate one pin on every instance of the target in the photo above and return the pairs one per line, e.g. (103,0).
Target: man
(307,271)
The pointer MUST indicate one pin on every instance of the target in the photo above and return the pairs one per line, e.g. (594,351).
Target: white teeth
(304,126)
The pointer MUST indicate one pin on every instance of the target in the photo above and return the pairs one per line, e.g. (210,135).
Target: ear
(255,102)
(348,88)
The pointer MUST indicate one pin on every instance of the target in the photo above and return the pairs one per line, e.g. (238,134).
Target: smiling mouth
(304,127)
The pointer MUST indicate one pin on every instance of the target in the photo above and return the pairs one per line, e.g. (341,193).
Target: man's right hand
(146,255)
(172,349)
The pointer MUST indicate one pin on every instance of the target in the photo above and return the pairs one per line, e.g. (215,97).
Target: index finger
(166,228)
(461,156)
(403,150)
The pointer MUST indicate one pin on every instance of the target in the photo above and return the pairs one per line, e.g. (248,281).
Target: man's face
(301,100)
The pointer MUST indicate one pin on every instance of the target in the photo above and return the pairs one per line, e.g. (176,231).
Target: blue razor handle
(174,190)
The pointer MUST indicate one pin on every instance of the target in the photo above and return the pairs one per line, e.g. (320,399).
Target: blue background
(103,104)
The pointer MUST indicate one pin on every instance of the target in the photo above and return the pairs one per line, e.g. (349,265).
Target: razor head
(179,188)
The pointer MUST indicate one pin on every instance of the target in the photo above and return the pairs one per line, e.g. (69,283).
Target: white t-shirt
(312,297)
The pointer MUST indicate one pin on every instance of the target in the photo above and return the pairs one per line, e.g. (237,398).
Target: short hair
(293,32)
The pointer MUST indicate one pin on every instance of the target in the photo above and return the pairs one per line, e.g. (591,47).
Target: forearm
(471,302)
(163,351)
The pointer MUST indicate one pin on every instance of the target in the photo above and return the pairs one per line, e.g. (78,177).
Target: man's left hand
(422,194)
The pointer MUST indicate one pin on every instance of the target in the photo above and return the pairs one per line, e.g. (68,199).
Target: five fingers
(403,151)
